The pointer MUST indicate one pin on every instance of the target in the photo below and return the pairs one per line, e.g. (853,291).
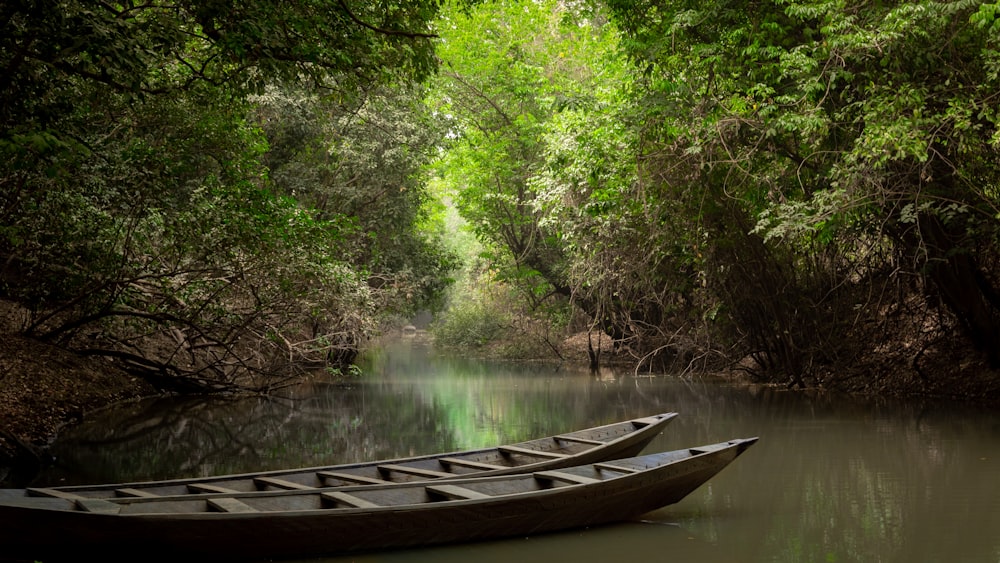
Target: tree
(493,84)
(367,161)
(138,218)
(859,141)
(510,70)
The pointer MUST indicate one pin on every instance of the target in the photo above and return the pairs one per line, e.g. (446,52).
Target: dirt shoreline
(43,388)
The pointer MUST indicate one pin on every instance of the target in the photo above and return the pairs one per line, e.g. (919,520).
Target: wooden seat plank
(454,492)
(352,478)
(535,453)
(643,422)
(566,477)
(208,488)
(580,440)
(348,499)
(282,483)
(98,506)
(387,467)
(131,492)
(471,464)
(42,492)
(616,468)
(226,504)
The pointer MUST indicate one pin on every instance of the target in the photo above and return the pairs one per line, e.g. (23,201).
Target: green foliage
(844,134)
(545,165)
(350,371)
(703,179)
(808,146)
(491,317)
(469,325)
(147,214)
(367,161)
(510,70)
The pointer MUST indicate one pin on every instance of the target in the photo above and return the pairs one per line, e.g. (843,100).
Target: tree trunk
(962,285)
(595,356)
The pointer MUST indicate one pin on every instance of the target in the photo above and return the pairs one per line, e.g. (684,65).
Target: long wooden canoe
(261,525)
(611,441)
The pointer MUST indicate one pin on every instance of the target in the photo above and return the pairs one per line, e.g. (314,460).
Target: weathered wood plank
(349,500)
(208,488)
(282,483)
(130,492)
(352,478)
(41,492)
(640,422)
(454,492)
(580,440)
(535,453)
(225,504)
(98,506)
(471,464)
(566,477)
(385,468)
(610,467)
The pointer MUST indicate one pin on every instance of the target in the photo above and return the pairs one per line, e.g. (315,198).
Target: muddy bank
(43,388)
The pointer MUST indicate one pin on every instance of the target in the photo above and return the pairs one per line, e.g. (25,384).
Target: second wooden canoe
(610,441)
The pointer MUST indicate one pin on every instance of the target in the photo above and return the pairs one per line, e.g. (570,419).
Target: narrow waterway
(833,479)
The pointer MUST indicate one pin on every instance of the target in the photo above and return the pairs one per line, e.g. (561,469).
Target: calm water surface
(832,479)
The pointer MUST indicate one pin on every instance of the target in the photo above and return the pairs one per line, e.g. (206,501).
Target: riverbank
(43,388)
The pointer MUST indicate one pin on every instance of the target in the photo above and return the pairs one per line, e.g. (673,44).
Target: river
(833,478)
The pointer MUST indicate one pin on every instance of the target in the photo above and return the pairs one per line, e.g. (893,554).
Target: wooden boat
(259,525)
(621,439)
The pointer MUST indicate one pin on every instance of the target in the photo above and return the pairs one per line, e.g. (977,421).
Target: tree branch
(392,32)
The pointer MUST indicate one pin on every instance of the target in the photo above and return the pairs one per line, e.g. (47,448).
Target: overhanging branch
(393,32)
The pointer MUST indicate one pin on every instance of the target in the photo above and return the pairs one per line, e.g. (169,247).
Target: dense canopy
(218,194)
(153,201)
(805,190)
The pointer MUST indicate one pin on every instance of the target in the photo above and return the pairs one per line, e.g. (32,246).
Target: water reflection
(410,405)
(832,479)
